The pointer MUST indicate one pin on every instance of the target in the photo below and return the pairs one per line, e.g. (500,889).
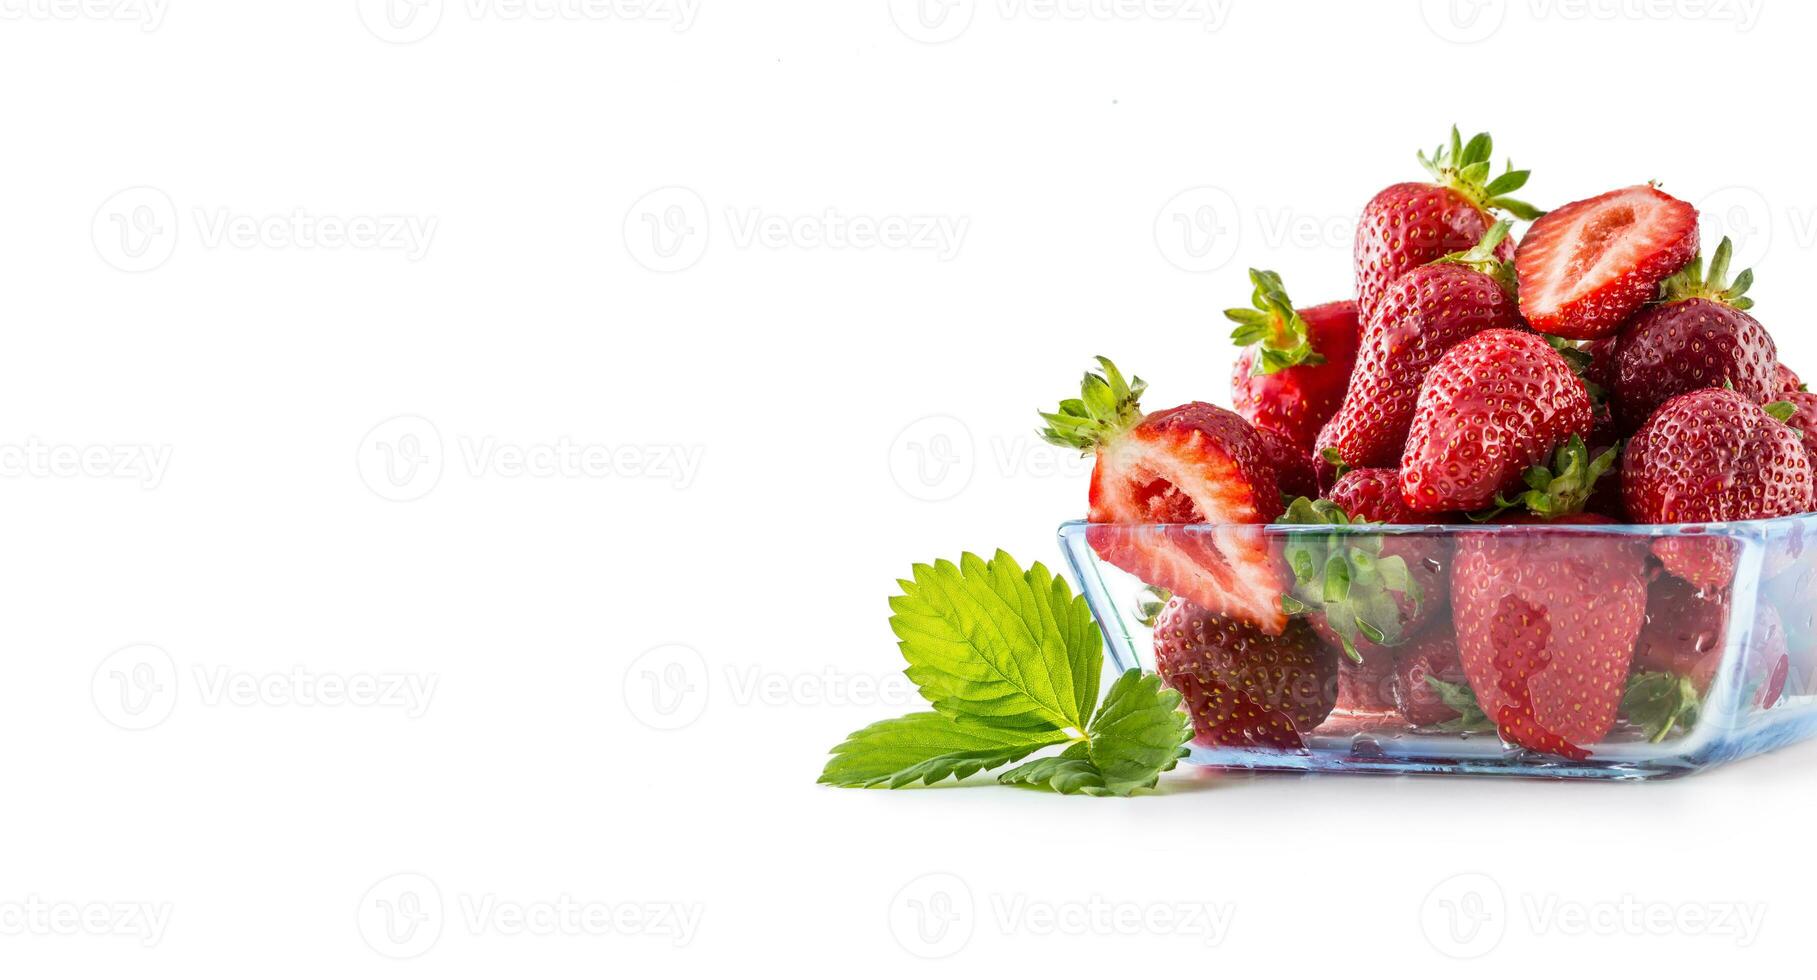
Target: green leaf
(1659,702)
(1562,489)
(926,747)
(1783,411)
(1465,168)
(1137,735)
(989,642)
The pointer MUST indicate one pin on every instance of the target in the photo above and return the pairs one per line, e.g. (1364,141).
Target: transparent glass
(1753,654)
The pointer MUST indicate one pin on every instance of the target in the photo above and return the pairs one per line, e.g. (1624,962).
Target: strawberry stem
(1282,336)
(1464,167)
(1560,490)
(1106,406)
(1691,283)
(1483,259)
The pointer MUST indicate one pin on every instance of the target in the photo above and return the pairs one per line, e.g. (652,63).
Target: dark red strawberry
(1785,380)
(1244,687)
(1684,632)
(1362,592)
(1588,266)
(1373,494)
(1409,225)
(1429,683)
(1802,416)
(1194,464)
(1292,465)
(1292,373)
(1709,456)
(1698,336)
(1492,407)
(1423,314)
(1546,622)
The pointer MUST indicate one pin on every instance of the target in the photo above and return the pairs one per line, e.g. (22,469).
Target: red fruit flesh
(1423,314)
(1588,266)
(1408,225)
(1493,406)
(1709,456)
(1296,401)
(1686,345)
(1432,654)
(1195,464)
(1241,686)
(1546,627)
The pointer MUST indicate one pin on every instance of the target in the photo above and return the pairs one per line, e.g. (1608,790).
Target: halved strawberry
(1588,266)
(1196,464)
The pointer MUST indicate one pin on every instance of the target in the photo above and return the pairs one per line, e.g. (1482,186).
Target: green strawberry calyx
(1465,167)
(1561,489)
(1107,405)
(1691,282)
(1461,699)
(1659,702)
(1483,259)
(1345,576)
(1280,333)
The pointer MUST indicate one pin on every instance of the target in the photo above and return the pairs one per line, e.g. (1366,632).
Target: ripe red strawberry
(1293,466)
(1684,632)
(1492,407)
(1707,456)
(1697,336)
(1802,417)
(1194,464)
(1292,374)
(1408,225)
(1588,266)
(1546,623)
(1422,315)
(1429,683)
(1785,380)
(1241,686)
(1373,494)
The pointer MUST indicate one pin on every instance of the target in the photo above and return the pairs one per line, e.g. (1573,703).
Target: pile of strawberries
(1596,371)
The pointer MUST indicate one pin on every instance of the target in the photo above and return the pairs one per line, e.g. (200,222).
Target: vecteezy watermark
(669,229)
(1470,21)
(1466,916)
(402,459)
(936,915)
(148,14)
(934,458)
(34,916)
(409,21)
(670,687)
(1199,229)
(404,915)
(37,459)
(939,21)
(137,687)
(137,230)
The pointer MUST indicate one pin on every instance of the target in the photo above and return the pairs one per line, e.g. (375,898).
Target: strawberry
(1801,416)
(1492,407)
(1681,648)
(1291,464)
(1244,687)
(1409,225)
(1706,456)
(1785,380)
(1361,592)
(1372,494)
(1588,266)
(1193,464)
(1429,683)
(1291,376)
(1422,315)
(1546,624)
(1698,336)
(1684,632)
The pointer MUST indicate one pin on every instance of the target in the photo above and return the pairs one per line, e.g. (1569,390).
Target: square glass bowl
(1749,654)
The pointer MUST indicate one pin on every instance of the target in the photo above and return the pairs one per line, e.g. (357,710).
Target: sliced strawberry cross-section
(1588,266)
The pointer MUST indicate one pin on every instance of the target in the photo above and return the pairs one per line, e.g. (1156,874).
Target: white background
(609,228)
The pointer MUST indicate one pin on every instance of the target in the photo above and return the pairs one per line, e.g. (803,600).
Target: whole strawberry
(1292,465)
(1409,225)
(1708,456)
(1196,464)
(1244,687)
(1588,266)
(1699,335)
(1422,315)
(1429,683)
(1492,407)
(1373,494)
(1681,648)
(1546,624)
(1292,373)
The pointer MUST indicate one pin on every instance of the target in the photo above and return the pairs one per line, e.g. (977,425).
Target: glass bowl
(1742,650)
